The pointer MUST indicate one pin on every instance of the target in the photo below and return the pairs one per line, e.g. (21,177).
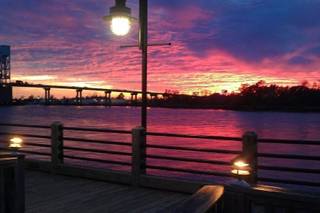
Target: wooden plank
(55,193)
(170,184)
(235,199)
(119,177)
(82,172)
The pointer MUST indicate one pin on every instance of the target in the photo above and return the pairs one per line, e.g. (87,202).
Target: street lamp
(120,23)
(120,18)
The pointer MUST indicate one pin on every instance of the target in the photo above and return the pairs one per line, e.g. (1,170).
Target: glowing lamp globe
(15,143)
(120,26)
(119,18)
(240,167)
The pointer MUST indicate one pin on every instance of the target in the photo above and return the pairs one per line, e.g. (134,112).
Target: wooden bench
(204,200)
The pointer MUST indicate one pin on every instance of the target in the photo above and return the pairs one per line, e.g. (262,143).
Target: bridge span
(78,91)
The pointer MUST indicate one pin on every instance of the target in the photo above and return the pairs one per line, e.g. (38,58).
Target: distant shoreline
(249,108)
(231,108)
(258,97)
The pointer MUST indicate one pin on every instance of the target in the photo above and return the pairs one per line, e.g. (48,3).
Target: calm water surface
(185,121)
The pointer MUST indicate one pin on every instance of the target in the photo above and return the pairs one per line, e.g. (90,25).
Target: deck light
(15,143)
(240,167)
(119,18)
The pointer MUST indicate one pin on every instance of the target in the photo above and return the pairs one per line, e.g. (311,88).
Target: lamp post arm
(149,45)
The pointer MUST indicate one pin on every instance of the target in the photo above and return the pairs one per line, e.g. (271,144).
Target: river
(280,125)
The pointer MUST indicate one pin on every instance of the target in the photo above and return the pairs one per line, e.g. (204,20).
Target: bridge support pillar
(107,96)
(79,96)
(47,95)
(134,98)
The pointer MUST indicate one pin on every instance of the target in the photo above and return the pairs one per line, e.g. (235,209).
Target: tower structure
(5,90)
(4,64)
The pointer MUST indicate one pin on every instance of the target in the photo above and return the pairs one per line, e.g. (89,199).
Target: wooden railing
(55,148)
(136,151)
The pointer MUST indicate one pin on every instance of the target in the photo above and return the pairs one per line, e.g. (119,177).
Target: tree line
(259,96)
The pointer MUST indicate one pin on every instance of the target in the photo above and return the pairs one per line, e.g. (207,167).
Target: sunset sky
(217,44)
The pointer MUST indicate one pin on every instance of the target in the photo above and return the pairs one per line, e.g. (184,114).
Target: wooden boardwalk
(47,193)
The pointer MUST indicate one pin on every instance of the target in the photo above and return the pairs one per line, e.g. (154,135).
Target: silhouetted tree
(120,96)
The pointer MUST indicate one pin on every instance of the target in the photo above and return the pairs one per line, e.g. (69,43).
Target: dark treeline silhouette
(260,96)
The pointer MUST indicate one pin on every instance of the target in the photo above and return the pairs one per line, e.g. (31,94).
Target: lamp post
(120,23)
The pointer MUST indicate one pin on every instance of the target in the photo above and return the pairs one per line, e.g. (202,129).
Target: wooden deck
(58,194)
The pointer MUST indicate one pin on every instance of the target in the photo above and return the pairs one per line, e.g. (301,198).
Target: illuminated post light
(241,168)
(15,143)
(119,18)
(120,26)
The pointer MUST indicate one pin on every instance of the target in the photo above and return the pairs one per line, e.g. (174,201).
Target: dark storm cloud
(299,60)
(315,51)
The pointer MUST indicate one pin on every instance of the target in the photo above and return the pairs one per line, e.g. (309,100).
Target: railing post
(249,150)
(138,154)
(56,144)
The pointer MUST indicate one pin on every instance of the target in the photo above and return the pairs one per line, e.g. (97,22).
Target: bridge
(78,91)
(6,85)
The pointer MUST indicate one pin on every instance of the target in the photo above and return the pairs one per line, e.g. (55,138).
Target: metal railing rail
(97,160)
(289,156)
(217,162)
(194,149)
(289,169)
(192,171)
(288,141)
(82,140)
(27,151)
(292,182)
(194,136)
(97,130)
(96,150)
(25,125)
(25,135)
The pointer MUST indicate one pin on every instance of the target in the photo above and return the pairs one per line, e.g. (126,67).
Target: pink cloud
(78,49)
